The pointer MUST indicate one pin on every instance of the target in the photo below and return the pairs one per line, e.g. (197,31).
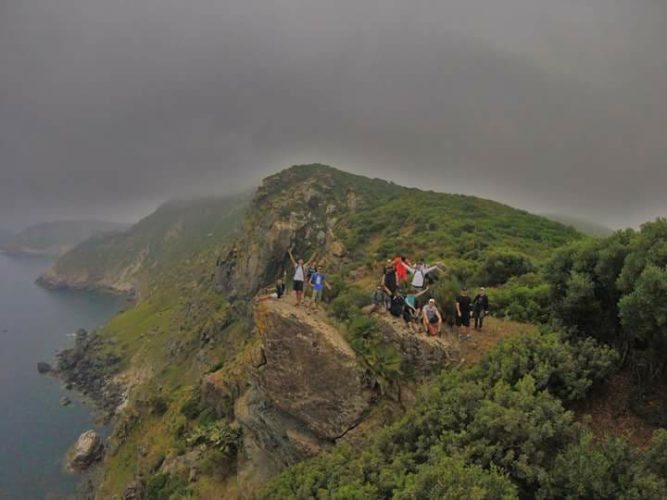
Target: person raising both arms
(299,276)
(432,318)
(420,271)
(463,306)
(480,307)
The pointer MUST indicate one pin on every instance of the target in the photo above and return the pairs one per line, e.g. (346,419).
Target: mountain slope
(210,378)
(56,238)
(353,223)
(119,262)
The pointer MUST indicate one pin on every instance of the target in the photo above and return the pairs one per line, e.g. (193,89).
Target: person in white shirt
(299,276)
(420,271)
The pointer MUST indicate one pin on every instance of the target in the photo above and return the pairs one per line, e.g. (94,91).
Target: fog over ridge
(109,108)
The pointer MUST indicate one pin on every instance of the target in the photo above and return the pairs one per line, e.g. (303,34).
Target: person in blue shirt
(318,282)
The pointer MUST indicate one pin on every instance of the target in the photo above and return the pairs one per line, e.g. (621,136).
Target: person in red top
(401,264)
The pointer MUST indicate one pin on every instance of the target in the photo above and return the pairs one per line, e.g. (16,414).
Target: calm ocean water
(35,431)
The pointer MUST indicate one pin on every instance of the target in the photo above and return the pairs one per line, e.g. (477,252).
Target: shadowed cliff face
(288,211)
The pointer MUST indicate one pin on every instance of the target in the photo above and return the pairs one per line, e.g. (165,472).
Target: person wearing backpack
(432,318)
(396,305)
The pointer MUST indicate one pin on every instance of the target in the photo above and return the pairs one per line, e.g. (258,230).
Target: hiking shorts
(464,320)
(297,285)
(317,295)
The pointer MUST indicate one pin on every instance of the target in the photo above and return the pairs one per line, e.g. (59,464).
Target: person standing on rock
(311,269)
(432,318)
(420,271)
(480,307)
(299,276)
(318,282)
(463,308)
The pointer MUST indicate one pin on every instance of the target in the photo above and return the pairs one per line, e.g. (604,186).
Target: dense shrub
(349,303)
(614,290)
(165,486)
(383,359)
(498,268)
(494,431)
(519,302)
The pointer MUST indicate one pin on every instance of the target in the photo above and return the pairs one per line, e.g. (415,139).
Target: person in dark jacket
(480,307)
(390,278)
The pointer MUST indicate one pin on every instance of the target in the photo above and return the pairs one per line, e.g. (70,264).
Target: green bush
(218,435)
(349,303)
(498,268)
(493,431)
(451,478)
(165,487)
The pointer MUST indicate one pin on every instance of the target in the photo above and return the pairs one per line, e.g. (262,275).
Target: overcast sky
(108,107)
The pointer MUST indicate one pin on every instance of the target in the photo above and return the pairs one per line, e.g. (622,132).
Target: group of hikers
(398,274)
(427,317)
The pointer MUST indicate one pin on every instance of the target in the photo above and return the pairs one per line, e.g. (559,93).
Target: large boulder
(87,450)
(310,373)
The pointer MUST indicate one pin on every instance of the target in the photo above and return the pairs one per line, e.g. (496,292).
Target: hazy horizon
(108,109)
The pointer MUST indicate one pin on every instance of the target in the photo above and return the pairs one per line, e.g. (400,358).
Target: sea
(35,430)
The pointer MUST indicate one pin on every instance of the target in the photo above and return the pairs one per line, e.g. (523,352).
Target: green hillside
(201,264)
(56,238)
(121,261)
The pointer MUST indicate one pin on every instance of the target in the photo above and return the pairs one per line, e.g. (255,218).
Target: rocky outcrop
(288,211)
(425,355)
(300,393)
(311,373)
(87,450)
(89,370)
(43,367)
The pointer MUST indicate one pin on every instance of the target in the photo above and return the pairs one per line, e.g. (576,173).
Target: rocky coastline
(88,370)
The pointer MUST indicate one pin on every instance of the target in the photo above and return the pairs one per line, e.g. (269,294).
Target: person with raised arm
(299,276)
(420,271)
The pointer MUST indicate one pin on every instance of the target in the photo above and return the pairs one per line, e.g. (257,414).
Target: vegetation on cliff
(197,415)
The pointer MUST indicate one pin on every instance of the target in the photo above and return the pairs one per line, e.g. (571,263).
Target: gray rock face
(87,450)
(311,373)
(426,355)
(286,213)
